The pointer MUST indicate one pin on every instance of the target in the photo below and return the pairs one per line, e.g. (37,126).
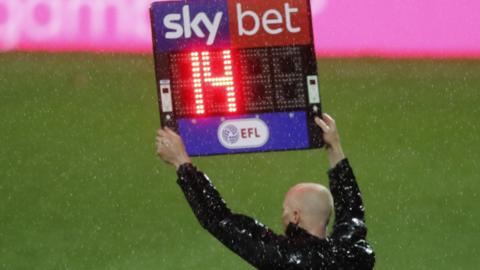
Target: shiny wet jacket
(344,248)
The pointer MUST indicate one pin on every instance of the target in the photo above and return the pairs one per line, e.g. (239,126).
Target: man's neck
(320,232)
(317,231)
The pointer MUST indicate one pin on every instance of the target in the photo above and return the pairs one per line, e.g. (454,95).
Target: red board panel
(255,23)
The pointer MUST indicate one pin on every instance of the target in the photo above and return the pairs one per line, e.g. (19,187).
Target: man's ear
(296,217)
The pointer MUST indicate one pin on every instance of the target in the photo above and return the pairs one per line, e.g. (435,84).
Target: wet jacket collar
(294,231)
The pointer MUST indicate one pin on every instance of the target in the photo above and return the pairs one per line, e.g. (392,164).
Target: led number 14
(202,76)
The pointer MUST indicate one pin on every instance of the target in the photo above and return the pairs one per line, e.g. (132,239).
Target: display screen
(203,83)
(229,82)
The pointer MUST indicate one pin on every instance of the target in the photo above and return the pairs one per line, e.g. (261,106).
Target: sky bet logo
(217,24)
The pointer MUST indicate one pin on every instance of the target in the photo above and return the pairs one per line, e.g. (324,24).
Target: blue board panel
(180,26)
(246,133)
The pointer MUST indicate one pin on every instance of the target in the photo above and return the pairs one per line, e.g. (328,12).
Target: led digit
(197,83)
(202,74)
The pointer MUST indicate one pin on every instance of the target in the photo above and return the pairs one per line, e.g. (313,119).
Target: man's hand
(170,148)
(331,139)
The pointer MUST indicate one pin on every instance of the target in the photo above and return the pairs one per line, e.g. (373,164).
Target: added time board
(237,76)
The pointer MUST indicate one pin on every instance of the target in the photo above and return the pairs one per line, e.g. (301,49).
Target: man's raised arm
(346,193)
(349,229)
(248,238)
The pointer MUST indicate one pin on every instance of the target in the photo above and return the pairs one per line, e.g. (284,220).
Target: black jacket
(345,248)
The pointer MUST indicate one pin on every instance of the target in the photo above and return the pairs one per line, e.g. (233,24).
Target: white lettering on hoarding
(8,26)
(100,17)
(62,21)
(46,29)
(112,21)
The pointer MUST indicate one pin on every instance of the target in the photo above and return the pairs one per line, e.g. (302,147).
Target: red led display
(204,83)
(202,76)
(225,82)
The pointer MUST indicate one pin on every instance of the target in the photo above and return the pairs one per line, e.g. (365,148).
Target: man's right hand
(170,148)
(331,139)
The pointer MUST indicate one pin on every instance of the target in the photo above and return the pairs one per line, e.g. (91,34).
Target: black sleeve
(245,236)
(346,193)
(349,229)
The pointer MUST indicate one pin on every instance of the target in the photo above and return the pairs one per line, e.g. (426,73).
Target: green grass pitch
(81,187)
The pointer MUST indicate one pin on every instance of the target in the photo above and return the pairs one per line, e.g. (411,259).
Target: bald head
(308,205)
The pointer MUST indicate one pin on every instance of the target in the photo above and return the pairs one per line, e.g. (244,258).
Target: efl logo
(243,133)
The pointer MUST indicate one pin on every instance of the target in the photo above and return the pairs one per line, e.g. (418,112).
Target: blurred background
(81,187)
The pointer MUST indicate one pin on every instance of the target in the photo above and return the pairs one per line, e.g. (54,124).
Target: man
(307,209)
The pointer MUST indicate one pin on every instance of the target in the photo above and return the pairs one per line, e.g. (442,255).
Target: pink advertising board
(392,28)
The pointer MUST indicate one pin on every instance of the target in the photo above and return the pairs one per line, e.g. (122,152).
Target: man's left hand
(170,148)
